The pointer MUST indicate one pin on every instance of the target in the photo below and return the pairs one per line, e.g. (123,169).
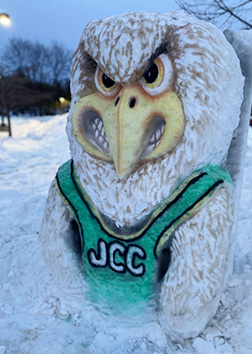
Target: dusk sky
(64,21)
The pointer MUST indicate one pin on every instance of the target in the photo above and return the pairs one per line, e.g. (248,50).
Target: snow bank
(31,319)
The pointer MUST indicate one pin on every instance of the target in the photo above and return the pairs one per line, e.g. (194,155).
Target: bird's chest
(119,273)
(120,266)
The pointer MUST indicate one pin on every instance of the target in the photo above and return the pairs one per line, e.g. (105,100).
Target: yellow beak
(137,126)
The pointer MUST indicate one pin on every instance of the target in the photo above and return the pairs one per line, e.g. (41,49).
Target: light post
(64,104)
(6,22)
(5,19)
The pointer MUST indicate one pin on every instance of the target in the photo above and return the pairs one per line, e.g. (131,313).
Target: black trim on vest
(75,212)
(160,235)
(193,181)
(215,185)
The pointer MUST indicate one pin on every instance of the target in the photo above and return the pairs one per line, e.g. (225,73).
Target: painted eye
(104,84)
(153,75)
(158,77)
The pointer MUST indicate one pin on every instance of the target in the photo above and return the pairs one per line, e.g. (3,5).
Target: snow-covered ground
(31,318)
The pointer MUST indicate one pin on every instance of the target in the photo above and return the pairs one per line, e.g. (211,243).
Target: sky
(64,20)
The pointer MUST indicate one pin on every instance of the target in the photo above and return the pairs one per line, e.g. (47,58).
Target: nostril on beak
(132,102)
(117,100)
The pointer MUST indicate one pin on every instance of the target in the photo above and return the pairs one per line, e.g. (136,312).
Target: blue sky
(64,20)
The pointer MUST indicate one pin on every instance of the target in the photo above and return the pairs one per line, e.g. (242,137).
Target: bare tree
(17,93)
(16,55)
(38,70)
(37,62)
(33,77)
(59,62)
(223,13)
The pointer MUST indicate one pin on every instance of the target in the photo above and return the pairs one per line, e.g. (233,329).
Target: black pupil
(107,82)
(151,74)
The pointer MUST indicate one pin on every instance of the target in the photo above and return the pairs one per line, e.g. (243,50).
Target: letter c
(133,252)
(113,248)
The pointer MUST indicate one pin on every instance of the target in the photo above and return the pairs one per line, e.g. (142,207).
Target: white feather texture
(208,81)
(201,253)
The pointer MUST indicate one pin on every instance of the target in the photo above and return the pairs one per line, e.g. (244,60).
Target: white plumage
(208,81)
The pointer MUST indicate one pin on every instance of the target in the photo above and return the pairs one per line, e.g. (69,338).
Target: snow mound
(32,320)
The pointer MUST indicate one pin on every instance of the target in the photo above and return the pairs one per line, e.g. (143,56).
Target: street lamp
(5,19)
(62,100)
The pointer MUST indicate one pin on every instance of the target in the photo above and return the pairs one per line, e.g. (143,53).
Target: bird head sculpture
(148,91)
(155,102)
(131,123)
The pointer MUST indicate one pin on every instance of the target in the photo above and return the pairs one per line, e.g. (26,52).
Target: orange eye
(157,77)
(104,84)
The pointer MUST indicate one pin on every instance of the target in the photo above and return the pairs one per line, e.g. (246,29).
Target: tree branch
(211,10)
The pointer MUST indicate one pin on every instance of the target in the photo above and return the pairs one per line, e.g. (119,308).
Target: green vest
(120,265)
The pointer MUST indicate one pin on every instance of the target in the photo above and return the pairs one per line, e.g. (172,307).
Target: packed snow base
(33,320)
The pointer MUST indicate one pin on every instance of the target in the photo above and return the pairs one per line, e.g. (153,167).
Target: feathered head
(154,97)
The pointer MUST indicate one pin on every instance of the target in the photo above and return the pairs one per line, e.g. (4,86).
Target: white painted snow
(32,319)
(208,82)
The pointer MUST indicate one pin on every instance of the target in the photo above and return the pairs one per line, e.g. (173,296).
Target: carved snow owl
(155,101)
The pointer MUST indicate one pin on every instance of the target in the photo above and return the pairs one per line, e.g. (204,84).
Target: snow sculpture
(155,101)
